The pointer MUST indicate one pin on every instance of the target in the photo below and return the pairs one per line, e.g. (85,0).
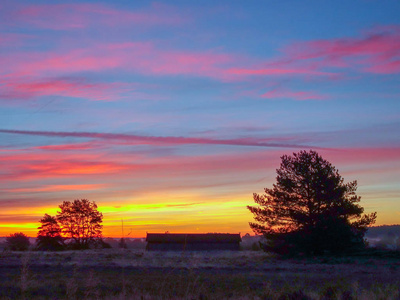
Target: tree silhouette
(17,242)
(80,222)
(49,235)
(310,209)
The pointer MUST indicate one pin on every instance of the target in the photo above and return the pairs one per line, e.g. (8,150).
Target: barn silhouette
(192,241)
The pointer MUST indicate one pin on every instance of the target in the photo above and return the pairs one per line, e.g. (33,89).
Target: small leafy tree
(49,236)
(310,209)
(80,223)
(17,242)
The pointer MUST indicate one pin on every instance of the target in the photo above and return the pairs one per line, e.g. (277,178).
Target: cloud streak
(159,140)
(37,170)
(42,166)
(22,88)
(275,72)
(374,52)
(135,57)
(297,95)
(56,188)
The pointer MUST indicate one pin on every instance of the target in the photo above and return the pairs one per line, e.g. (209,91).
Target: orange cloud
(36,166)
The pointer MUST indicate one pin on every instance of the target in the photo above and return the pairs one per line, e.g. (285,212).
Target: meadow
(137,274)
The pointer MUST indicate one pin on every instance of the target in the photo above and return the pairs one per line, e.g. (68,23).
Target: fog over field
(385,237)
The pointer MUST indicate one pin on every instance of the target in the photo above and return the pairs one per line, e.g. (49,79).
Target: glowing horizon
(171,115)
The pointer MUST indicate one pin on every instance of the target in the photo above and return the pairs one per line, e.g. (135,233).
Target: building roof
(193,238)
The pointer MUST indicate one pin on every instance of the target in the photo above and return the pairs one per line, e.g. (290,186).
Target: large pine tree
(310,209)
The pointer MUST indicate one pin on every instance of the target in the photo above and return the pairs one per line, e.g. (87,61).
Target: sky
(171,114)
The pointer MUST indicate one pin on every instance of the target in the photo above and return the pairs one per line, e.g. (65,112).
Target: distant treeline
(384,230)
(384,237)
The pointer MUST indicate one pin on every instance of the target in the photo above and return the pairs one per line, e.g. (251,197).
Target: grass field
(129,274)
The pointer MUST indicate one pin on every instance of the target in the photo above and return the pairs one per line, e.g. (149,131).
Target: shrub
(17,242)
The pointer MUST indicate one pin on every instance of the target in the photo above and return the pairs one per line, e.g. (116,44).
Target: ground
(133,274)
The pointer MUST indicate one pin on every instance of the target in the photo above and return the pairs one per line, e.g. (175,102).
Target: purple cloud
(132,139)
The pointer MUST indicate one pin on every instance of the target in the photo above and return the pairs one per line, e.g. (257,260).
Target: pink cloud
(30,154)
(175,63)
(372,53)
(37,166)
(75,16)
(364,156)
(14,39)
(74,61)
(275,71)
(69,147)
(376,52)
(220,163)
(296,95)
(55,167)
(26,75)
(386,68)
(21,88)
(143,58)
(57,188)
(135,57)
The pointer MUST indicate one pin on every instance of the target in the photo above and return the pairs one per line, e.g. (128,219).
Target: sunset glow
(170,115)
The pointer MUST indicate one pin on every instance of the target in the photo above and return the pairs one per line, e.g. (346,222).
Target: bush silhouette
(17,242)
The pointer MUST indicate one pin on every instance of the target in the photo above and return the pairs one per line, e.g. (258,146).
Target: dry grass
(25,277)
(126,274)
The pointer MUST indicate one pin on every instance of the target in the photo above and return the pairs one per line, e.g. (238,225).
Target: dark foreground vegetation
(310,209)
(128,274)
